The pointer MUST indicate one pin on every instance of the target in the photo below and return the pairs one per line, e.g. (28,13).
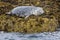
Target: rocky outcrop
(45,22)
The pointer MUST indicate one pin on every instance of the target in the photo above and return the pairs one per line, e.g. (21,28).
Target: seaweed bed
(49,21)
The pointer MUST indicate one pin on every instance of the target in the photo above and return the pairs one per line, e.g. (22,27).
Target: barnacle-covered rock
(46,22)
(5,7)
(32,25)
(11,1)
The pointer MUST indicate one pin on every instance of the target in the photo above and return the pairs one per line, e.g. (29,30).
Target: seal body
(26,11)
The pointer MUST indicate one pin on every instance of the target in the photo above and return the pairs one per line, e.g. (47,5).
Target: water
(35,36)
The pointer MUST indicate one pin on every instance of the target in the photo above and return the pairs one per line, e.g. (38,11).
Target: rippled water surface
(36,36)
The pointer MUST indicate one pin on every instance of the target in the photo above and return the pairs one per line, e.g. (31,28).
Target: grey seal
(26,11)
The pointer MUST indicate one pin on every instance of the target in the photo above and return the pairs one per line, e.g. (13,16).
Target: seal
(26,11)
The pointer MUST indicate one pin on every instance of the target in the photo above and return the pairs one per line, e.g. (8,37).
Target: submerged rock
(26,11)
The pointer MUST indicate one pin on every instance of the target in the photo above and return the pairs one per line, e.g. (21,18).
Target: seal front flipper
(27,16)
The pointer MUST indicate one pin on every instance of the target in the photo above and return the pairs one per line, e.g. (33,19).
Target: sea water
(34,36)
